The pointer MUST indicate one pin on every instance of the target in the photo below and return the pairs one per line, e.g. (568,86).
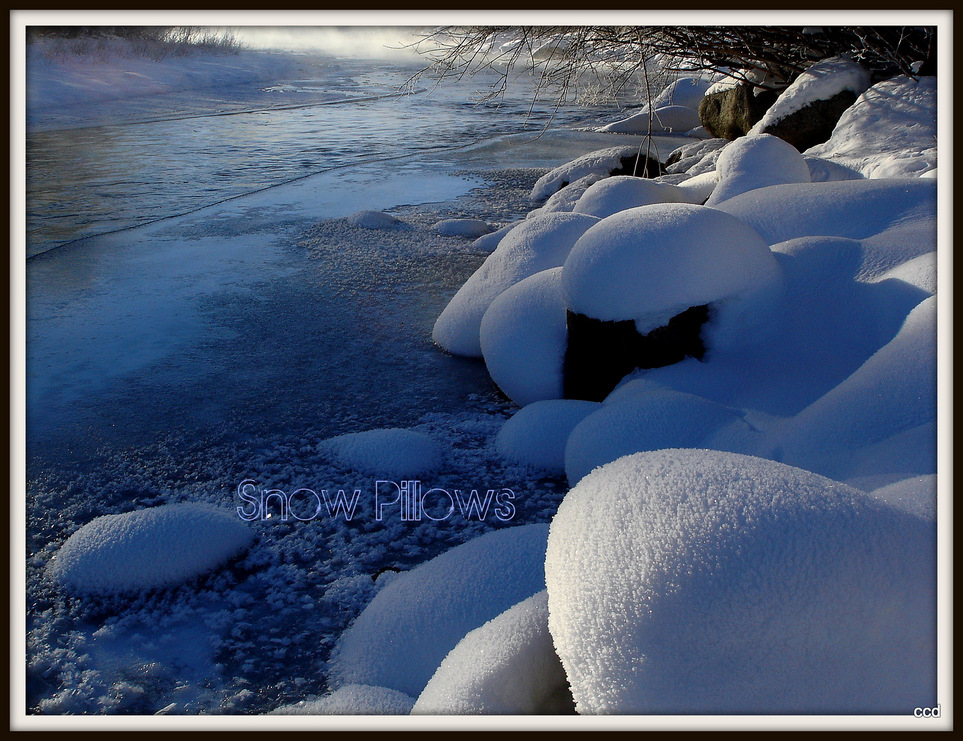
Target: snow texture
(598,163)
(752,162)
(374,220)
(916,495)
(508,666)
(537,433)
(532,246)
(821,81)
(523,337)
(698,581)
(650,263)
(352,699)
(399,640)
(889,132)
(470,228)
(646,421)
(393,453)
(148,548)
(620,192)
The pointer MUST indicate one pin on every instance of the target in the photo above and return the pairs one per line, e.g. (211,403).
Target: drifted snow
(148,548)
(523,336)
(889,132)
(532,246)
(697,581)
(821,81)
(752,162)
(620,192)
(394,453)
(411,625)
(508,666)
(536,434)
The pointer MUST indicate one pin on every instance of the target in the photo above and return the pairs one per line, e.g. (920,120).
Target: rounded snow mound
(536,434)
(597,164)
(393,452)
(406,631)
(532,246)
(664,119)
(374,220)
(650,263)
(471,228)
(523,336)
(352,699)
(757,161)
(621,192)
(649,421)
(697,581)
(148,548)
(508,666)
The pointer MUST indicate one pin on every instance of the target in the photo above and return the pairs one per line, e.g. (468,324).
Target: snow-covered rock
(399,639)
(148,548)
(394,453)
(664,119)
(508,666)
(352,699)
(758,161)
(697,581)
(617,193)
(374,220)
(532,246)
(889,132)
(695,158)
(646,421)
(523,336)
(470,228)
(537,433)
(697,189)
(650,263)
(598,164)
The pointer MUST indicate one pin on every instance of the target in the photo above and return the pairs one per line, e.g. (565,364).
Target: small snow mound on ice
(622,192)
(656,261)
(148,548)
(523,337)
(752,162)
(698,581)
(392,452)
(599,163)
(352,699)
(508,666)
(470,228)
(647,421)
(532,246)
(411,625)
(374,220)
(889,132)
(536,434)
(821,81)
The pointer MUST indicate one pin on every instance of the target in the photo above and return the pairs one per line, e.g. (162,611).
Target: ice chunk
(697,581)
(148,548)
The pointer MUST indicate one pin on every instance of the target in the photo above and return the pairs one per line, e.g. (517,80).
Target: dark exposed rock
(600,353)
(731,113)
(813,124)
(640,166)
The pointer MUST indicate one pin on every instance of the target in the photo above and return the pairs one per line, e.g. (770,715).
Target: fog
(352,41)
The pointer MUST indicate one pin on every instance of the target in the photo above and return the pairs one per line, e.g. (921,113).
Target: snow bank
(532,246)
(536,434)
(697,581)
(523,336)
(889,132)
(652,262)
(821,81)
(620,192)
(148,548)
(394,453)
(471,228)
(596,164)
(410,626)
(352,699)
(752,162)
(647,421)
(508,666)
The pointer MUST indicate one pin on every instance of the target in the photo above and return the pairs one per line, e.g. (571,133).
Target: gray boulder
(731,113)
